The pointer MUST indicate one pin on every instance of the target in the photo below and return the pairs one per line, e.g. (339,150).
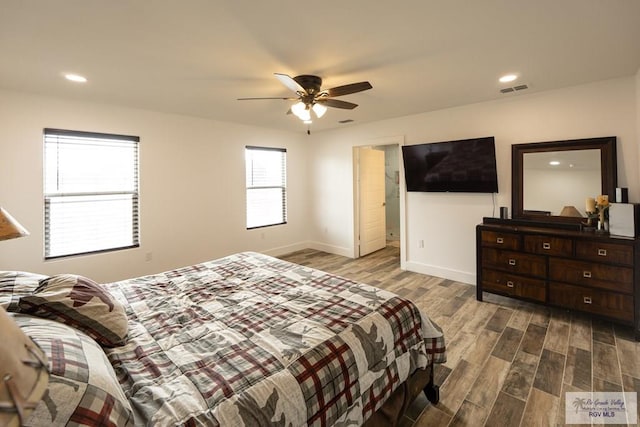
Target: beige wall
(192,186)
(446,222)
(192,177)
(638,113)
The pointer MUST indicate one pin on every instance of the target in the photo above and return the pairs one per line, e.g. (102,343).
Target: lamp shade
(23,373)
(9,227)
(298,108)
(319,109)
(570,211)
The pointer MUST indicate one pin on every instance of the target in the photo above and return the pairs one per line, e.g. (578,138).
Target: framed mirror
(552,180)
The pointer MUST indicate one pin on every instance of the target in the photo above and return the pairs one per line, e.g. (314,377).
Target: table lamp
(9,227)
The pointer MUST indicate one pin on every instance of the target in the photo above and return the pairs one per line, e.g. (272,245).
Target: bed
(247,339)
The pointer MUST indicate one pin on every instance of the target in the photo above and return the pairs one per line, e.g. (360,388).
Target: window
(266,186)
(90,192)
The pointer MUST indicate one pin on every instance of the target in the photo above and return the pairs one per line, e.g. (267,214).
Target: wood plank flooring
(509,363)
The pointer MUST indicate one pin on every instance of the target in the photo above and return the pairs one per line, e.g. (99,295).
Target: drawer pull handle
(602,252)
(586,274)
(587,300)
(512,261)
(500,240)
(509,284)
(546,245)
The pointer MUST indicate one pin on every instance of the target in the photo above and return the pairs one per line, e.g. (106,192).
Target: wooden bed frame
(392,411)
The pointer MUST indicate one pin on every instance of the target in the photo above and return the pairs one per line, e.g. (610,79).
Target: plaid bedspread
(253,340)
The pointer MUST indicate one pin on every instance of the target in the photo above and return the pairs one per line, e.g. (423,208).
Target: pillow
(83,388)
(14,284)
(81,303)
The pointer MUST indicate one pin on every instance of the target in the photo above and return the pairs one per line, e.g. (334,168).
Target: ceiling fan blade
(253,99)
(290,83)
(347,89)
(336,103)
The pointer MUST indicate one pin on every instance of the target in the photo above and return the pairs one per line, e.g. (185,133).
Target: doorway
(388,175)
(371,196)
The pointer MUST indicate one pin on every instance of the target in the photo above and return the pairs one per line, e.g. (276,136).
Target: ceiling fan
(311,97)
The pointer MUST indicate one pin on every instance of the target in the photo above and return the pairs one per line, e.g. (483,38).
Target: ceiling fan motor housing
(310,83)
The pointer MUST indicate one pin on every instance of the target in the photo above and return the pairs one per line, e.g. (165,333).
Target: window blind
(90,192)
(266,177)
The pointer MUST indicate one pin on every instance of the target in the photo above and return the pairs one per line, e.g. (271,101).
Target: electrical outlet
(148,256)
(421,244)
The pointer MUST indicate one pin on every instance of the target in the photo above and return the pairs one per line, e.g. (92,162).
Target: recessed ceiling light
(75,78)
(554,163)
(508,78)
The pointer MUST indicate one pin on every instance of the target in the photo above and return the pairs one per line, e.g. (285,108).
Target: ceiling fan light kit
(310,96)
(301,111)
(319,109)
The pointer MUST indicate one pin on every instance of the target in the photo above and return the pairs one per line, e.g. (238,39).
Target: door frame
(391,140)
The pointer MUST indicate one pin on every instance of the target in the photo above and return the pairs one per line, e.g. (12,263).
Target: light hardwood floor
(509,363)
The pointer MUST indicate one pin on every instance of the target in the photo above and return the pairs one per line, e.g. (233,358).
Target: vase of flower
(602,208)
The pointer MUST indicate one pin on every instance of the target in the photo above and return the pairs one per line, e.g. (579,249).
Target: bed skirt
(391,412)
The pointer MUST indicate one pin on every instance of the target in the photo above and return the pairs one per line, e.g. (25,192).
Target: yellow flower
(602,201)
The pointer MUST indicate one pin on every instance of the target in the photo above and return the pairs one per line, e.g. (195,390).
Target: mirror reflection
(558,182)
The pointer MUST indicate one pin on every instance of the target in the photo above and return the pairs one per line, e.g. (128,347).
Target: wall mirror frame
(608,173)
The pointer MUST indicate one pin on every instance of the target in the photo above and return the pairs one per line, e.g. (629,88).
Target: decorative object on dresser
(624,219)
(597,210)
(622,195)
(570,211)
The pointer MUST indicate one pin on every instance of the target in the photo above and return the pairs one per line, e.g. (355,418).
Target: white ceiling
(195,57)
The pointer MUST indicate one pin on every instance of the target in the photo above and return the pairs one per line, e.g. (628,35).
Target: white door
(372,200)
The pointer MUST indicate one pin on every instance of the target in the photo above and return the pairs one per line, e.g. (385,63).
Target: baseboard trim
(445,273)
(416,267)
(336,250)
(284,250)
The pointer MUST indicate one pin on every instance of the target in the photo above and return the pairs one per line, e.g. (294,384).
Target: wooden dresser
(578,270)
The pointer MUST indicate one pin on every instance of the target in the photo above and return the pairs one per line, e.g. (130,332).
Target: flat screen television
(463,166)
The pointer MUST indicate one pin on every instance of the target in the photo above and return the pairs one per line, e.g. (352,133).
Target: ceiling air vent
(513,89)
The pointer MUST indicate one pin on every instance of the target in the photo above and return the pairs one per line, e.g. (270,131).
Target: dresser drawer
(514,262)
(548,245)
(619,279)
(605,252)
(496,239)
(514,285)
(591,300)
